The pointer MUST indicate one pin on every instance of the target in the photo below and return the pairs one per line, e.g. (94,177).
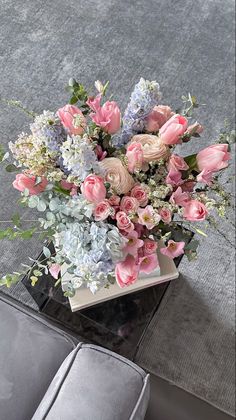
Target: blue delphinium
(78,157)
(145,96)
(48,127)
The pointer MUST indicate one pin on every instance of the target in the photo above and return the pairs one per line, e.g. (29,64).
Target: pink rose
(124,222)
(166,215)
(174,178)
(24,181)
(177,163)
(94,102)
(173,129)
(205,177)
(54,270)
(129,204)
(194,210)
(148,263)
(107,117)
(173,249)
(149,246)
(72,119)
(133,244)
(93,189)
(148,217)
(179,198)
(213,158)
(126,272)
(141,194)
(114,200)
(102,210)
(134,155)
(158,117)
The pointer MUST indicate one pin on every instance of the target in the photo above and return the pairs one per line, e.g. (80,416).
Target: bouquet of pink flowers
(109,188)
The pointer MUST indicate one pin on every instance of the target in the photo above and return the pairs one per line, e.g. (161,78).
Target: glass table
(118,324)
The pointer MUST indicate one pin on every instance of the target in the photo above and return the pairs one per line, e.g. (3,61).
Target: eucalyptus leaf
(46,252)
(33,201)
(41,206)
(11,168)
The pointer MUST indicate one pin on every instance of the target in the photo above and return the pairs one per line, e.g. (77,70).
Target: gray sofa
(47,374)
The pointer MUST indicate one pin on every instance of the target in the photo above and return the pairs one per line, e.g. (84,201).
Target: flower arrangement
(108,188)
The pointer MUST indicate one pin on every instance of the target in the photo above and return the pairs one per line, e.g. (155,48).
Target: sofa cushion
(31,351)
(96,384)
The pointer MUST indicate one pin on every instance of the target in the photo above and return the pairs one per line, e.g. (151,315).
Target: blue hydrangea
(145,96)
(78,157)
(92,248)
(48,127)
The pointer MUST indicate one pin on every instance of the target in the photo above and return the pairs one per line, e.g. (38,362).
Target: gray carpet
(186,46)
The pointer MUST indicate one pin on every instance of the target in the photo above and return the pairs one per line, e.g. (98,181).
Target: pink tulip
(24,181)
(94,102)
(126,272)
(213,158)
(174,178)
(177,163)
(55,270)
(101,154)
(195,211)
(173,129)
(195,128)
(158,117)
(134,155)
(205,177)
(66,185)
(148,263)
(93,189)
(179,197)
(107,117)
(133,244)
(72,119)
(173,249)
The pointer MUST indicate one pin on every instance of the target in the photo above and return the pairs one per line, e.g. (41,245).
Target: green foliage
(78,93)
(190,103)
(11,233)
(11,168)
(2,153)
(191,249)
(191,161)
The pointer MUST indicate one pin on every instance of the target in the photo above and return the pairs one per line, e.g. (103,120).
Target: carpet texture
(186,46)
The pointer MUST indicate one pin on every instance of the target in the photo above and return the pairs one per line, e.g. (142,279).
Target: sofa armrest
(95,384)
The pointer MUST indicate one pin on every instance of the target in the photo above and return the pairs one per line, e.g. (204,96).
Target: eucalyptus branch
(19,105)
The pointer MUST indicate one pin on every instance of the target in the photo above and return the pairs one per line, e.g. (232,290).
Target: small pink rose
(179,197)
(158,117)
(205,177)
(148,263)
(134,155)
(126,272)
(133,244)
(114,200)
(149,246)
(124,222)
(107,117)
(174,178)
(148,217)
(173,129)
(72,118)
(194,210)
(129,204)
(141,194)
(166,215)
(28,181)
(177,163)
(213,158)
(93,189)
(173,249)
(102,211)
(55,270)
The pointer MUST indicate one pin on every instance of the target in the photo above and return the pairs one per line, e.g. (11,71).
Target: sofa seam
(63,380)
